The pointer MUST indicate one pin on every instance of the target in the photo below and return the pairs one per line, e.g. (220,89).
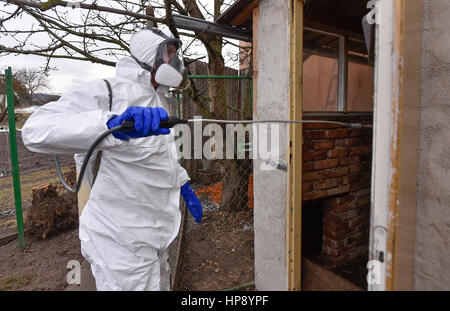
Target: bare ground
(216,254)
(41,265)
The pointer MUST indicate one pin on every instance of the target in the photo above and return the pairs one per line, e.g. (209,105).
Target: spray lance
(170,122)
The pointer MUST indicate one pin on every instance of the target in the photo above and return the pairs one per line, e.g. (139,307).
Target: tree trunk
(235,173)
(235,196)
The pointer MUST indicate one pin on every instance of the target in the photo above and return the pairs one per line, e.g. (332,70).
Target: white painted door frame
(395,144)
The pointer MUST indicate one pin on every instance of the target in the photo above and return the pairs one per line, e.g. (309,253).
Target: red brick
(330,225)
(334,244)
(307,135)
(345,198)
(329,233)
(354,237)
(319,134)
(357,150)
(339,133)
(308,166)
(355,168)
(324,144)
(363,211)
(335,191)
(313,195)
(308,145)
(343,228)
(318,125)
(367,140)
(307,186)
(332,252)
(326,183)
(339,152)
(367,148)
(358,220)
(312,176)
(354,178)
(345,216)
(358,132)
(362,201)
(364,192)
(347,142)
(314,155)
(355,186)
(345,180)
(331,216)
(324,164)
(328,173)
(338,208)
(348,161)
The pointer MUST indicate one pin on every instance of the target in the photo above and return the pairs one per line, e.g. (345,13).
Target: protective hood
(158,51)
(144,45)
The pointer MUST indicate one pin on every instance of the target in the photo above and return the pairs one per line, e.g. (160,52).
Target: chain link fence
(218,253)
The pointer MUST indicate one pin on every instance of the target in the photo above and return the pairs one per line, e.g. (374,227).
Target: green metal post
(14,157)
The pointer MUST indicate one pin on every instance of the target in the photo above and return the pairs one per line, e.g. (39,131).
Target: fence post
(14,157)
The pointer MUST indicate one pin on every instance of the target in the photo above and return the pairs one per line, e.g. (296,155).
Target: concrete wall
(432,254)
(272,102)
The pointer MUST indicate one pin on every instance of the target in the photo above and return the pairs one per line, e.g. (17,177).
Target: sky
(69,73)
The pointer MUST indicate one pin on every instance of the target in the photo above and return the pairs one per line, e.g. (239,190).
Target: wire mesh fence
(35,170)
(215,254)
(218,252)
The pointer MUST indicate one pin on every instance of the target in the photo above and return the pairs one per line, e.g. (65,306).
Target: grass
(20,120)
(13,283)
(27,183)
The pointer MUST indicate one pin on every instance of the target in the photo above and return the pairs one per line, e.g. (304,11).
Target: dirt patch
(41,265)
(52,240)
(355,271)
(218,253)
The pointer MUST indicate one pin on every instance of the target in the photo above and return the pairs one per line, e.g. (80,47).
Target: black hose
(123,127)
(169,123)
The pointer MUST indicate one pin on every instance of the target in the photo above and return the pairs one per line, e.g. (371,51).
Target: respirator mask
(169,69)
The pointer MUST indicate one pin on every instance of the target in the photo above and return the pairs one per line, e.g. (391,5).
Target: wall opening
(336,162)
(312,224)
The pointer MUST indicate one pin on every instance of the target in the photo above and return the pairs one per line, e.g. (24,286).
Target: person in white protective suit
(132,214)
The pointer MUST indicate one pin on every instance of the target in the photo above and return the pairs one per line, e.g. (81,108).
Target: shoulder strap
(99,153)
(109,93)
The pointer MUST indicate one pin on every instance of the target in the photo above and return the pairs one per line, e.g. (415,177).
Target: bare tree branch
(44,6)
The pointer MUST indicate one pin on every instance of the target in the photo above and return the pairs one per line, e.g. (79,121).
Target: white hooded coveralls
(133,210)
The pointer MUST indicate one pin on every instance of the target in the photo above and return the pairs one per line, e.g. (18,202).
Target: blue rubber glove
(146,122)
(192,202)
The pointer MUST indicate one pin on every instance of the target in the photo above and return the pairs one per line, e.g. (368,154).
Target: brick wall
(337,170)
